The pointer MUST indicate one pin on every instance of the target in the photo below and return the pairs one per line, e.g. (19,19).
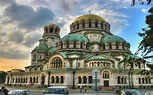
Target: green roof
(75,37)
(51,50)
(97,58)
(41,47)
(135,57)
(112,38)
(63,54)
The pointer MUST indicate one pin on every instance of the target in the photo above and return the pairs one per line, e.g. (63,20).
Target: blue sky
(22,22)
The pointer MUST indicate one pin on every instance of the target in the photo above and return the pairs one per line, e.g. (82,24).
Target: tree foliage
(140,1)
(146,45)
(2,76)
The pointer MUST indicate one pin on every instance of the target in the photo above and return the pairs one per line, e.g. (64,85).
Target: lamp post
(49,78)
(73,79)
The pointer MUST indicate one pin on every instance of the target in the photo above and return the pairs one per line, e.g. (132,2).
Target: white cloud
(116,19)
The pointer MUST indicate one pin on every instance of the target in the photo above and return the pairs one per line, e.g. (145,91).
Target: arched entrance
(42,79)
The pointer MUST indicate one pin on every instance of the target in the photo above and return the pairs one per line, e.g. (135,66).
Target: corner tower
(51,34)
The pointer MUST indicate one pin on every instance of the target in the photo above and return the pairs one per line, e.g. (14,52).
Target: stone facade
(71,59)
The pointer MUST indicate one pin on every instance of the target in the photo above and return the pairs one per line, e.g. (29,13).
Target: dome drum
(51,28)
(115,46)
(90,24)
(112,42)
(73,41)
(90,21)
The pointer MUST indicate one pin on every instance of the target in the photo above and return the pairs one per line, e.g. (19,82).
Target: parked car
(149,93)
(127,92)
(19,92)
(56,90)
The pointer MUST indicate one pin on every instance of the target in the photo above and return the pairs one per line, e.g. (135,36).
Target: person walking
(3,91)
(80,88)
(85,88)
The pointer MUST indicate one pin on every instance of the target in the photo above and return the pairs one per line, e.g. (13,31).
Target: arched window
(56,30)
(52,79)
(77,25)
(67,44)
(96,24)
(101,25)
(90,79)
(117,45)
(57,79)
(103,46)
(110,46)
(62,79)
(118,80)
(79,79)
(123,46)
(89,23)
(61,45)
(81,45)
(139,81)
(74,44)
(105,74)
(84,79)
(83,24)
(51,29)
(143,80)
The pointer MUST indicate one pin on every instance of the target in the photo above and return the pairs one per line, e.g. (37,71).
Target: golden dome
(89,17)
(52,25)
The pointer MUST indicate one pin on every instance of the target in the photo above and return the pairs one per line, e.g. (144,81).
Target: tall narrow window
(96,24)
(83,24)
(118,80)
(117,45)
(123,46)
(62,79)
(103,46)
(90,79)
(89,23)
(52,79)
(79,79)
(67,44)
(74,44)
(84,79)
(51,30)
(81,45)
(110,46)
(101,25)
(77,25)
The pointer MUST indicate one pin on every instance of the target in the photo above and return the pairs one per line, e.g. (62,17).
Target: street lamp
(73,79)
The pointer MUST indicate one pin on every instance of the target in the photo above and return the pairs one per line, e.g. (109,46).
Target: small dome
(74,37)
(51,29)
(41,47)
(89,17)
(52,25)
(112,39)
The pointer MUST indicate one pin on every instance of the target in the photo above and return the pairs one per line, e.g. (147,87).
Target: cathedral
(72,60)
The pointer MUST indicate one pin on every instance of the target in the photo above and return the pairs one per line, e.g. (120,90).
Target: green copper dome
(51,50)
(112,39)
(97,58)
(74,37)
(41,47)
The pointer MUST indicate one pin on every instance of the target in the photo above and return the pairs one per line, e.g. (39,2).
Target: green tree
(141,2)
(2,76)
(146,45)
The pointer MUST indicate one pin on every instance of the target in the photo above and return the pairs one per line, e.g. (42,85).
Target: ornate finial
(89,12)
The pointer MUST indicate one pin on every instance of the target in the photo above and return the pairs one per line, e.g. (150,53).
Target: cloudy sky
(22,22)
